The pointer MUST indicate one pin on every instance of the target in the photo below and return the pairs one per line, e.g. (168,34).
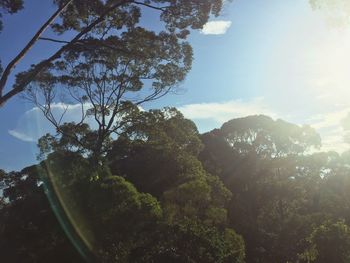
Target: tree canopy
(165,193)
(113,29)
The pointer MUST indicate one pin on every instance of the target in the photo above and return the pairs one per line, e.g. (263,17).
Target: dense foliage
(250,191)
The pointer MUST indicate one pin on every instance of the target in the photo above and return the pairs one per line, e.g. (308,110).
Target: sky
(279,58)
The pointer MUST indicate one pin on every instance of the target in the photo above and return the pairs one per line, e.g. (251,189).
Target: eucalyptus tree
(108,82)
(114,61)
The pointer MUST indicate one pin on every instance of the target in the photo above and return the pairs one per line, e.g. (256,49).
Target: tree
(259,161)
(158,153)
(181,212)
(96,22)
(107,72)
(138,227)
(104,81)
(190,241)
(329,242)
(89,197)
(202,200)
(268,138)
(128,217)
(163,144)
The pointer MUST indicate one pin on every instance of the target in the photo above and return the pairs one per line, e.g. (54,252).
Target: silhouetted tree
(98,24)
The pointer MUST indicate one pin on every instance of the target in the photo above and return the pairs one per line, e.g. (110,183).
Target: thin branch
(54,40)
(29,45)
(117,101)
(151,6)
(62,115)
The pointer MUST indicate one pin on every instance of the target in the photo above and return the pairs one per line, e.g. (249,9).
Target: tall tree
(257,159)
(103,81)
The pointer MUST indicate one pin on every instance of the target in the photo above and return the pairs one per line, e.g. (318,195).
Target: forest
(127,182)
(250,191)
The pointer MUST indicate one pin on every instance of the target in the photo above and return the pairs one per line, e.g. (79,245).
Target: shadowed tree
(29,230)
(157,152)
(163,144)
(257,159)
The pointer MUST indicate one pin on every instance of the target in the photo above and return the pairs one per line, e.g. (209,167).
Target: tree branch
(29,45)
(53,40)
(151,6)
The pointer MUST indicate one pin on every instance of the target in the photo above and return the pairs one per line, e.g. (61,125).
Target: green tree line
(251,191)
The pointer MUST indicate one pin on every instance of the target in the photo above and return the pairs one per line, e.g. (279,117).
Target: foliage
(329,242)
(127,216)
(9,7)
(165,193)
(192,242)
(191,204)
(267,137)
(278,190)
(100,29)
(28,227)
(203,199)
(163,144)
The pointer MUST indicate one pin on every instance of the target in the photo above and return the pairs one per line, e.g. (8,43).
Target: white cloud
(33,124)
(224,111)
(212,115)
(330,127)
(329,120)
(21,136)
(216,27)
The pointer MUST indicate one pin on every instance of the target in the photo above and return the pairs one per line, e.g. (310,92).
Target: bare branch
(151,6)
(29,45)
(121,91)
(62,115)
(53,40)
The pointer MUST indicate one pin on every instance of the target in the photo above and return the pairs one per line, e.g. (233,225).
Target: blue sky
(279,58)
